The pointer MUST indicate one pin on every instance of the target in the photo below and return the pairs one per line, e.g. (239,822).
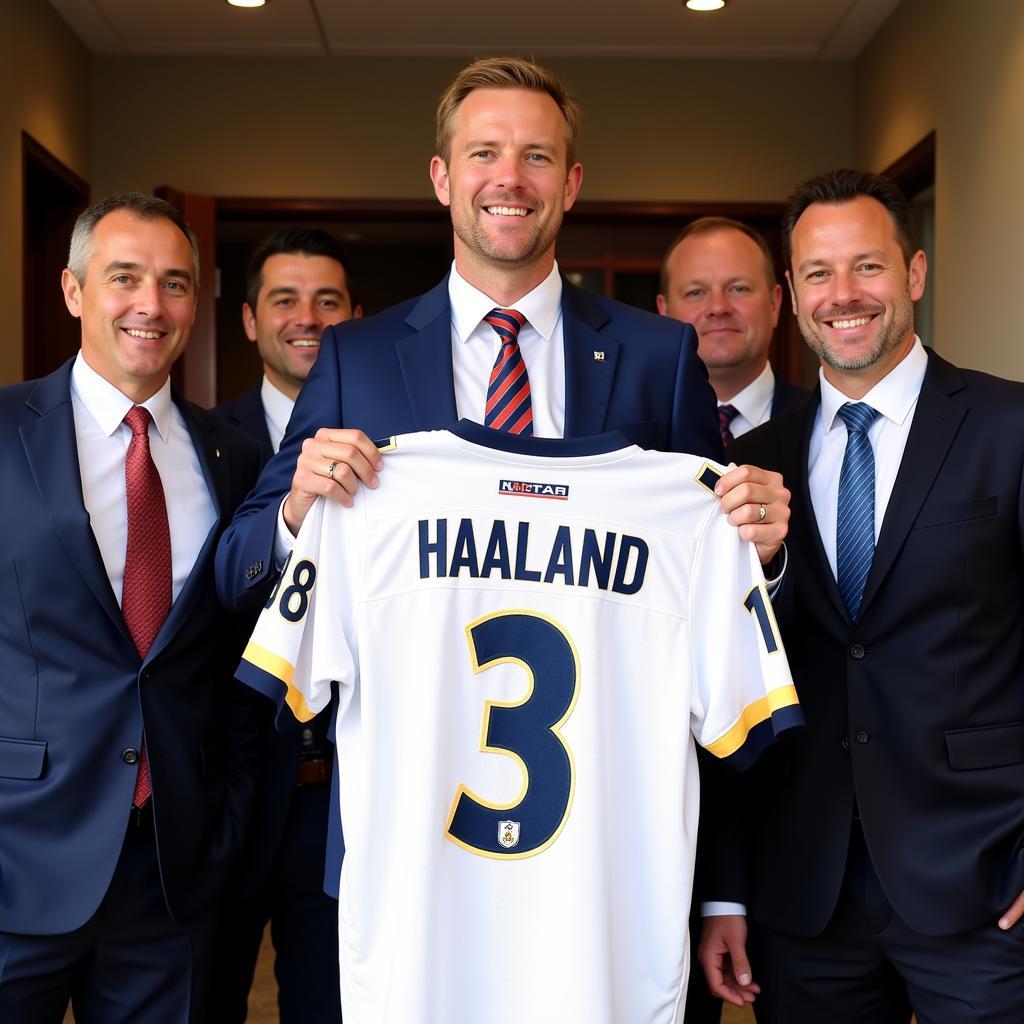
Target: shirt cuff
(777,567)
(718,908)
(283,539)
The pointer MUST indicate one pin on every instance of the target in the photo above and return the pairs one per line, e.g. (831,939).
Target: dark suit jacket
(786,396)
(247,414)
(915,711)
(392,373)
(281,750)
(74,693)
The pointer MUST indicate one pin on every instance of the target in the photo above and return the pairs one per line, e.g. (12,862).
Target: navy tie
(855,522)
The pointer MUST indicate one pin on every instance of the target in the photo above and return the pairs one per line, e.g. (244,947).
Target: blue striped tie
(855,522)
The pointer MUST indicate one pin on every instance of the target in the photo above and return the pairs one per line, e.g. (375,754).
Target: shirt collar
(753,401)
(108,406)
(893,396)
(542,307)
(276,404)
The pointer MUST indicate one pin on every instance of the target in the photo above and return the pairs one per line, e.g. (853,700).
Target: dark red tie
(146,597)
(726,414)
(508,390)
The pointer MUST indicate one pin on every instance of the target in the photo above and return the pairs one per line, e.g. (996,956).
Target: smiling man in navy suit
(127,751)
(881,853)
(505,167)
(297,285)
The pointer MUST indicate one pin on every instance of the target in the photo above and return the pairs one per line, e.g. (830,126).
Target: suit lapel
(804,523)
(590,363)
(426,360)
(940,411)
(51,449)
(214,464)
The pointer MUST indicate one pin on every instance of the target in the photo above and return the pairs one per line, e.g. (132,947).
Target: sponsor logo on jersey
(525,489)
(508,834)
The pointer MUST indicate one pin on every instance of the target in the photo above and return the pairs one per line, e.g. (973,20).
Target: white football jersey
(526,636)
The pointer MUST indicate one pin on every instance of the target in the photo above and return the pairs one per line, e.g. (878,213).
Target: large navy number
(760,607)
(528,731)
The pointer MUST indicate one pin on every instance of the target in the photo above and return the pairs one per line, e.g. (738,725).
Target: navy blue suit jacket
(247,414)
(74,693)
(915,709)
(392,373)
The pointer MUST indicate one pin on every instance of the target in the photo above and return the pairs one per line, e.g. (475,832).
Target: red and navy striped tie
(508,391)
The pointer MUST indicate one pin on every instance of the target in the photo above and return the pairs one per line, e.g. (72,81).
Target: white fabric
(103,439)
(895,397)
(754,403)
(277,410)
(593,926)
(475,346)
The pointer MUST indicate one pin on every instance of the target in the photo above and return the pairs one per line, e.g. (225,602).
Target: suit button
(857,651)
(862,736)
(845,742)
(130,756)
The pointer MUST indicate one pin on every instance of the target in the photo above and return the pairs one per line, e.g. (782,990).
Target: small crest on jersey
(387,444)
(508,834)
(708,477)
(525,489)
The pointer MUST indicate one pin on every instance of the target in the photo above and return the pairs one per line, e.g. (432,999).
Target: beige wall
(45,81)
(362,127)
(958,68)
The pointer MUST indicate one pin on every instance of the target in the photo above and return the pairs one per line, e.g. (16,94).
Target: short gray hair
(138,204)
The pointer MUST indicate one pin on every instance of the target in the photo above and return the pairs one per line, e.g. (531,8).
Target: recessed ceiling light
(247,3)
(705,5)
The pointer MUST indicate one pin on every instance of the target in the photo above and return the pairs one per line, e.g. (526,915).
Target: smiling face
(137,302)
(718,281)
(853,291)
(507,184)
(300,296)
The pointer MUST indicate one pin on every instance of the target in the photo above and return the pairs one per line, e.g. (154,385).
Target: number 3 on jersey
(527,730)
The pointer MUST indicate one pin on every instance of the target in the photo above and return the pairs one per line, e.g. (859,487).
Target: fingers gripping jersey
(525,640)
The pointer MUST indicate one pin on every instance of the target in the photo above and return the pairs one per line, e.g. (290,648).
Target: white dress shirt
(475,346)
(102,439)
(754,403)
(895,397)
(277,411)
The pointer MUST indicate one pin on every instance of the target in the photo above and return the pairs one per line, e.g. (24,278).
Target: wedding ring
(330,473)
(761,513)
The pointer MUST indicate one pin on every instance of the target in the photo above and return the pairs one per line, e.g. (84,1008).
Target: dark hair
(707,225)
(842,186)
(505,73)
(138,204)
(308,241)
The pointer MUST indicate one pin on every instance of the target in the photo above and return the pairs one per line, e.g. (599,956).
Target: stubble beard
(889,337)
(510,253)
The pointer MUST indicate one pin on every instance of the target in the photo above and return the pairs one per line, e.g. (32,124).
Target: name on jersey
(606,560)
(525,489)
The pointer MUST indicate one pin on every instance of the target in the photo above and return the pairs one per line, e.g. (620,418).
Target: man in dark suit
(128,751)
(505,167)
(719,276)
(885,846)
(297,285)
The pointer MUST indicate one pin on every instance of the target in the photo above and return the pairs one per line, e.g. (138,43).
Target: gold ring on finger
(330,474)
(761,513)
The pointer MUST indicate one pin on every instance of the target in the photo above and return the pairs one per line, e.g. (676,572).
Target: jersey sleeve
(304,638)
(742,693)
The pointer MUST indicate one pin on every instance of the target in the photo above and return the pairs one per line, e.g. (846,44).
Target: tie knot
(138,419)
(726,414)
(507,323)
(857,416)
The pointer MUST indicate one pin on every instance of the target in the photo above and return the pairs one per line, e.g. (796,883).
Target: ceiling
(811,29)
